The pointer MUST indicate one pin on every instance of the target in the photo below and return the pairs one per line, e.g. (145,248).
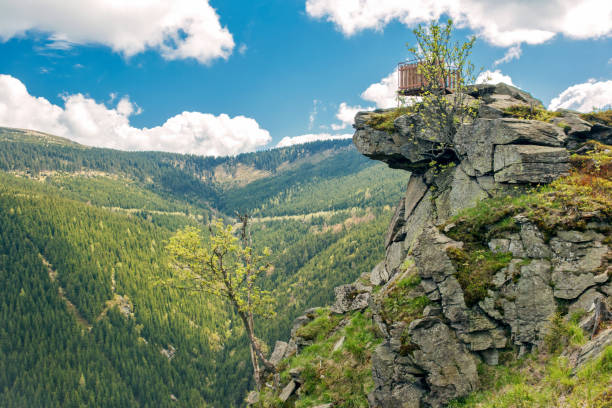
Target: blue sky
(222,77)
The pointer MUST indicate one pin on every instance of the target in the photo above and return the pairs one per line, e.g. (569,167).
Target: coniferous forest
(82,246)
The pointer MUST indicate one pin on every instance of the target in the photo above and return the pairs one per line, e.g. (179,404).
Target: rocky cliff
(503,233)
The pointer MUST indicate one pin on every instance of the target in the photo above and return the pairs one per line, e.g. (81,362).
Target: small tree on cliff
(227,267)
(441,59)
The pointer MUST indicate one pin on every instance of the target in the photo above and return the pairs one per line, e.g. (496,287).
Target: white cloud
(493,77)
(313,114)
(584,97)
(502,23)
(178,29)
(290,141)
(384,92)
(513,52)
(88,122)
(346,115)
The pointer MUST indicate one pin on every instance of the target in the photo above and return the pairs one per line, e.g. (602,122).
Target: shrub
(475,269)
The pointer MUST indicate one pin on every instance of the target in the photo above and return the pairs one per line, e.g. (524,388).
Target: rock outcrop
(491,155)
(446,298)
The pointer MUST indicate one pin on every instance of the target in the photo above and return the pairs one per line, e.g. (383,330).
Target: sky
(222,77)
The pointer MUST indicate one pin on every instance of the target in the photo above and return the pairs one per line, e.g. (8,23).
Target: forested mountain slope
(82,237)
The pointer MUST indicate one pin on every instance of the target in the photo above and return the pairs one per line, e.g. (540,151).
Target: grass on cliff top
(530,113)
(603,117)
(342,377)
(384,121)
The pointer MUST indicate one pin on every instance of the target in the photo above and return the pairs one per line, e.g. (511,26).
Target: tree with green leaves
(444,66)
(226,266)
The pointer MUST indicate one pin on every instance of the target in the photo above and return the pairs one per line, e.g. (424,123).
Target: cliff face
(474,309)
(480,258)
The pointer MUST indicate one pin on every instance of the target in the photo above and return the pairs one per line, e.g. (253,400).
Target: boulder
(501,95)
(379,274)
(287,391)
(585,302)
(529,163)
(591,349)
(354,296)
(280,349)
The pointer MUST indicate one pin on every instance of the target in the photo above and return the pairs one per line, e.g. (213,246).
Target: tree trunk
(255,345)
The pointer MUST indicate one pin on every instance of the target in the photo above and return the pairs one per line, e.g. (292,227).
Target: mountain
(82,245)
(495,289)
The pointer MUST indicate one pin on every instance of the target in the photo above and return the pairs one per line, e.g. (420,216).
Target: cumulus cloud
(290,141)
(584,97)
(493,77)
(178,29)
(383,93)
(502,23)
(88,122)
(346,115)
(513,52)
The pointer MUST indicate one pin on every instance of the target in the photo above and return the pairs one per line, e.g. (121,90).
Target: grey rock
(464,192)
(529,313)
(280,349)
(570,286)
(298,323)
(591,350)
(585,302)
(395,255)
(383,360)
(328,405)
(296,373)
(287,391)
(477,141)
(600,133)
(292,349)
(516,246)
(420,218)
(529,163)
(498,245)
(453,303)
(485,340)
(533,240)
(252,398)
(338,344)
(354,296)
(379,274)
(576,127)
(429,253)
(607,288)
(577,259)
(490,357)
(415,191)
(451,369)
(488,306)
(502,95)
(397,222)
(379,145)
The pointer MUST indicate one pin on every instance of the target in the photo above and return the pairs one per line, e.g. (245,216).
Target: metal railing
(411,82)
